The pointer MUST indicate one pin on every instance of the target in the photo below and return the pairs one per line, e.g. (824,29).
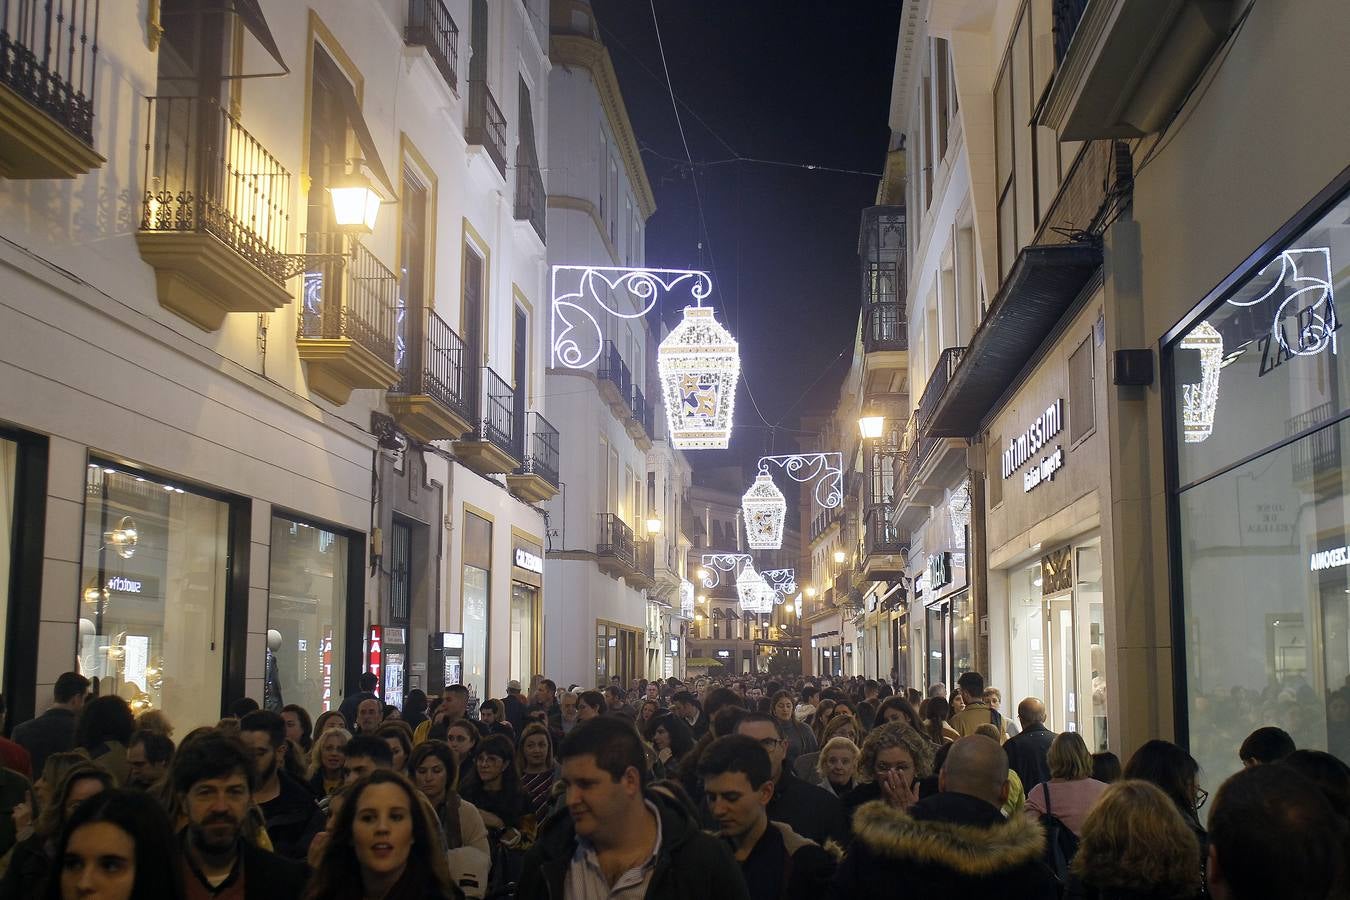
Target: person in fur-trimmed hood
(955,845)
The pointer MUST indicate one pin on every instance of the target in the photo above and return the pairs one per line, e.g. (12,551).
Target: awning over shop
(701,662)
(1043,283)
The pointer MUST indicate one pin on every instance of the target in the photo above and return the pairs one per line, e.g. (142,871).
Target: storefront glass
(935,633)
(476,587)
(1260,400)
(153,594)
(524,604)
(306,607)
(963,635)
(9,461)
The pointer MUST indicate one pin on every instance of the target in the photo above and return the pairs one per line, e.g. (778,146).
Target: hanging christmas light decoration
(764,509)
(755,594)
(699,364)
(686,598)
(1200,401)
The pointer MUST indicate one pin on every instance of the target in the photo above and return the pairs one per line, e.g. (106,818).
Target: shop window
(1258,394)
(524,632)
(153,593)
(306,607)
(475,601)
(1082,393)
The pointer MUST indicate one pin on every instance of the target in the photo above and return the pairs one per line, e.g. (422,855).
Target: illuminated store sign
(530,562)
(124,585)
(1337,558)
(1029,444)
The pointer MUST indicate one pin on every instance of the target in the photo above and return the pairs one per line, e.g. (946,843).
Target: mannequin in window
(271,677)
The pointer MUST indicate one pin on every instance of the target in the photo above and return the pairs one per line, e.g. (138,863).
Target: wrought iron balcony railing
(434,367)
(430,25)
(822,522)
(204,173)
(497,422)
(487,124)
(616,539)
(49,57)
(1065,16)
(880,535)
(613,369)
(541,449)
(645,557)
(1319,454)
(531,200)
(884,327)
(937,383)
(351,297)
(642,412)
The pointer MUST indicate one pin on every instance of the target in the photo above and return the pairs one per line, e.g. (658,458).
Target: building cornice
(590,54)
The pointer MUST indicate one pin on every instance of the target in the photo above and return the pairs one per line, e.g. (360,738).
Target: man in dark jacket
(1028,751)
(54,730)
(955,844)
(778,863)
(213,776)
(619,839)
(545,708)
(367,682)
(811,811)
(292,815)
(515,706)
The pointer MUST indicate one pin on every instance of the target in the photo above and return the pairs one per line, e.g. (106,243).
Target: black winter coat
(949,846)
(811,811)
(690,863)
(1027,754)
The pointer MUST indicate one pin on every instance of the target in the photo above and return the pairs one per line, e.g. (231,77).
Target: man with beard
(213,776)
(293,818)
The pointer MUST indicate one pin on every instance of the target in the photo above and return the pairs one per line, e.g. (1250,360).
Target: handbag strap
(1049,810)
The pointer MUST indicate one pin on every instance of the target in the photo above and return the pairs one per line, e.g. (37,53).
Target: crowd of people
(746,789)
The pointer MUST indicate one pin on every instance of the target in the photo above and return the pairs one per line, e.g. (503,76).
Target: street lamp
(810,592)
(840,556)
(355,203)
(702,598)
(871,426)
(653,525)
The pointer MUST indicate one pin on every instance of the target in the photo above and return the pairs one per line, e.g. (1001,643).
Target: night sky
(784,80)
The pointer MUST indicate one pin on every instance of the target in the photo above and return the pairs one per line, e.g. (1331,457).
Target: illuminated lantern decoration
(686,598)
(699,366)
(1200,401)
(765,508)
(755,594)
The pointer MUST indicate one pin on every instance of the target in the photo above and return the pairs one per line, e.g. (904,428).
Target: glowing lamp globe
(765,508)
(699,364)
(355,204)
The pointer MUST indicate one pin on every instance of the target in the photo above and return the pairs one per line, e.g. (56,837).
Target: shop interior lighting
(123,537)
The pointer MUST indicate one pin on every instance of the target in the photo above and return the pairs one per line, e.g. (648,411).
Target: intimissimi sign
(1029,443)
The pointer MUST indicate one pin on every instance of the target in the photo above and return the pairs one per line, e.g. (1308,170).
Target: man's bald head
(1031,711)
(978,767)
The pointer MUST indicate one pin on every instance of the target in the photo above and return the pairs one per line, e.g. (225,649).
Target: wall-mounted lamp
(355,203)
(871,427)
(653,525)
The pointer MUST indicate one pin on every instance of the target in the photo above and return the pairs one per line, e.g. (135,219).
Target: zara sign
(1028,445)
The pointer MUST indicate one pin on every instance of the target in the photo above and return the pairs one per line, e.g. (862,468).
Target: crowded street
(674,450)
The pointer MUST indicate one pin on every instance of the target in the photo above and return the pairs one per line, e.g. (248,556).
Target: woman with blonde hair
(326,759)
(1135,846)
(837,766)
(1071,792)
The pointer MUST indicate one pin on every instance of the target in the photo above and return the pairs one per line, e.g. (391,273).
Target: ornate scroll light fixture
(755,594)
(781,581)
(1200,401)
(764,509)
(123,538)
(826,469)
(713,564)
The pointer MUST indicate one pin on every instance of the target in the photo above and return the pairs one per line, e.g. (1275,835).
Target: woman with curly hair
(894,758)
(1135,846)
(326,761)
(384,843)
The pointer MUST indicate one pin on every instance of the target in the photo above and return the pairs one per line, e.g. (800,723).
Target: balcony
(937,384)
(486,126)
(346,321)
(531,199)
(537,478)
(639,421)
(491,448)
(615,381)
(615,551)
(1124,68)
(1317,458)
(644,565)
(431,26)
(885,546)
(214,215)
(884,328)
(48,63)
(822,526)
(430,402)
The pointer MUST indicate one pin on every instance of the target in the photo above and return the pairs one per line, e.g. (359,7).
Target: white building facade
(251,452)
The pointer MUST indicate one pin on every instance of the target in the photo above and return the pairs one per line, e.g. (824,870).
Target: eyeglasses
(1201,795)
(770,744)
